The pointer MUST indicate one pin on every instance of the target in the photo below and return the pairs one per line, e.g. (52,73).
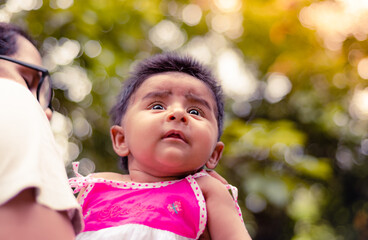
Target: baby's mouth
(175,135)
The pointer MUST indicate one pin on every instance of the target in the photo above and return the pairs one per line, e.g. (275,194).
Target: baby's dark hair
(162,63)
(8,38)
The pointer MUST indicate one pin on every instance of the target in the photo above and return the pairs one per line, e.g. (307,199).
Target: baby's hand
(214,174)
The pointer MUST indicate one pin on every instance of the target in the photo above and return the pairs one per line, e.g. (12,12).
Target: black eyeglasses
(44,90)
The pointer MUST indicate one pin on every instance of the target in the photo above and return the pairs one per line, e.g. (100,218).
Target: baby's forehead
(178,82)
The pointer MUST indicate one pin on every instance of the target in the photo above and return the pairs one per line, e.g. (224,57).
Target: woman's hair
(8,38)
(162,63)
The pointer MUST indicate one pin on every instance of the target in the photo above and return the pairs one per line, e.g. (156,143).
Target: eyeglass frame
(44,74)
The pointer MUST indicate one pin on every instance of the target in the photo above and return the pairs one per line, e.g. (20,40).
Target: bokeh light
(205,48)
(340,118)
(74,81)
(92,48)
(62,129)
(229,24)
(198,48)
(278,86)
(255,202)
(238,81)
(359,104)
(62,4)
(60,52)
(15,6)
(86,166)
(241,108)
(167,35)
(334,21)
(363,68)
(228,5)
(192,14)
(345,158)
(81,127)
(5,15)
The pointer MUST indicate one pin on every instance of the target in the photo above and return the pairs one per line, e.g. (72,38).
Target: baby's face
(170,125)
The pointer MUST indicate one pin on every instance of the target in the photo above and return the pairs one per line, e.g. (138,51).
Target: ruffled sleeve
(78,182)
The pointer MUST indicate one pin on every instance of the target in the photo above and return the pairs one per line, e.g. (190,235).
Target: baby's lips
(175,134)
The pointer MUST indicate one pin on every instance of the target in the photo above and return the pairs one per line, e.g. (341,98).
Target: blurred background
(295,74)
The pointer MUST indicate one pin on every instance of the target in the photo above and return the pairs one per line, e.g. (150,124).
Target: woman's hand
(214,174)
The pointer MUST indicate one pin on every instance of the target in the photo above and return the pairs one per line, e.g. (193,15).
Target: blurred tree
(297,99)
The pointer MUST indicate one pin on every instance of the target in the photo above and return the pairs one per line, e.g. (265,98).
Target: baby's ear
(118,141)
(216,155)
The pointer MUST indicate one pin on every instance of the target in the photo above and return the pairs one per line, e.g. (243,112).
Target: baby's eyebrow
(157,94)
(190,96)
(194,98)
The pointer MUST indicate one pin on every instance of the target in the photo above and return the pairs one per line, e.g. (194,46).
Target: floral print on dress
(175,207)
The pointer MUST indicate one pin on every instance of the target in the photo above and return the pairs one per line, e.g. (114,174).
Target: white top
(29,155)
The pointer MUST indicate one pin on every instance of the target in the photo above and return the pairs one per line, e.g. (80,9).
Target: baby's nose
(178,115)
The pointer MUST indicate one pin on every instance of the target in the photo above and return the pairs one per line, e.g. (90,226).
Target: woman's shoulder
(112,176)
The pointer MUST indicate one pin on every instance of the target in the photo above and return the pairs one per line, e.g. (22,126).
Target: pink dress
(129,210)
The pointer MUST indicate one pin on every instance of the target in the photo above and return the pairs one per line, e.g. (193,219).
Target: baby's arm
(223,220)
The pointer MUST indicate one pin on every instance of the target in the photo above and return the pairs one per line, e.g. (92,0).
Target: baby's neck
(140,176)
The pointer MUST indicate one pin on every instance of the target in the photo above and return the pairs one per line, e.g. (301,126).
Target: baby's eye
(194,112)
(157,107)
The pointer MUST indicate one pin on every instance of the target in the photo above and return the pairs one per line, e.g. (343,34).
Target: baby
(168,122)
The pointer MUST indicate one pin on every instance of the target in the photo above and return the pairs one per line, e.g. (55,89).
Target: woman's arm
(23,218)
(223,220)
